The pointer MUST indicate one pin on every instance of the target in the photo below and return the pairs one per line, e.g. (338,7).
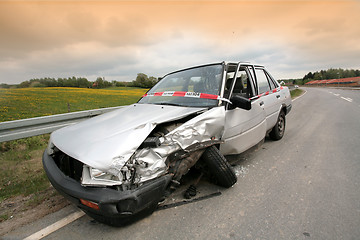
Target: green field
(34,102)
(296,92)
(21,171)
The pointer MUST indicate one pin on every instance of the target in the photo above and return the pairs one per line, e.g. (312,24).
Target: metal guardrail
(23,128)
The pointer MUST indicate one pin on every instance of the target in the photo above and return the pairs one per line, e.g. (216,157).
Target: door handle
(278,96)
(261,103)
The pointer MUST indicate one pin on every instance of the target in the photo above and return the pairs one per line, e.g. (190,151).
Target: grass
(21,171)
(296,92)
(35,102)
(4,217)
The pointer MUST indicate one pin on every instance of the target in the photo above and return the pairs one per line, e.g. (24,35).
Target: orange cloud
(307,29)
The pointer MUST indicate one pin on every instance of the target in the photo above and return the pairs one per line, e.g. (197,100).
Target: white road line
(55,226)
(347,99)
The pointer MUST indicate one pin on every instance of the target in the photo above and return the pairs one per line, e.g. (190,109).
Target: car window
(242,85)
(230,73)
(272,82)
(186,87)
(250,70)
(262,81)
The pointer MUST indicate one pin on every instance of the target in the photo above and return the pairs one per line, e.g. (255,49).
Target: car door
(243,128)
(269,98)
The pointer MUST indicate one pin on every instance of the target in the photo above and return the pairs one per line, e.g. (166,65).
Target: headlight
(50,148)
(100,175)
(95,177)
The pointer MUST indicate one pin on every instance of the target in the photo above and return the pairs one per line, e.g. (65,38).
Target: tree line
(332,73)
(141,81)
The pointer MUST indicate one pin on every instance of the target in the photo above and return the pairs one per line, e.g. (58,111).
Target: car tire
(218,167)
(279,129)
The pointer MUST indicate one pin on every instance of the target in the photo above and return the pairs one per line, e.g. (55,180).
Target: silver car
(118,166)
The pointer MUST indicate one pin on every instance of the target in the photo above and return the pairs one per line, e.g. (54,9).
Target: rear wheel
(219,168)
(279,129)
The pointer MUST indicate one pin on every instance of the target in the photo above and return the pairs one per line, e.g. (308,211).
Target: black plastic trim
(288,108)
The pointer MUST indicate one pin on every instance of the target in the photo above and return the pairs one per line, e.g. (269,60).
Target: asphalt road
(305,186)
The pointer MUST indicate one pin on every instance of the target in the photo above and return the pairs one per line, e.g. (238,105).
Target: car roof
(243,62)
(216,63)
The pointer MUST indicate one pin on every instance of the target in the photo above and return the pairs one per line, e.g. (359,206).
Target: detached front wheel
(279,129)
(219,168)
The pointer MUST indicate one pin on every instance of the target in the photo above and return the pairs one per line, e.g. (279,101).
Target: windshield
(195,87)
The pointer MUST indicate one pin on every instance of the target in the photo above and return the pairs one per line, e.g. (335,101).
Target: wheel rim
(281,125)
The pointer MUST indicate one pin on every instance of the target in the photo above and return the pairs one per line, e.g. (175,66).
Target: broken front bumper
(110,202)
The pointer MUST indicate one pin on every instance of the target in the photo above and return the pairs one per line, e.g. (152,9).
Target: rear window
(262,81)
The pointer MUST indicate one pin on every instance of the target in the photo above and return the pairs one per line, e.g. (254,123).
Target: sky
(118,39)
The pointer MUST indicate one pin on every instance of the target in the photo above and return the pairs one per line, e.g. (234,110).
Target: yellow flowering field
(34,102)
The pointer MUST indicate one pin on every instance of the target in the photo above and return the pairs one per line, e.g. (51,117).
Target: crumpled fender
(107,141)
(202,128)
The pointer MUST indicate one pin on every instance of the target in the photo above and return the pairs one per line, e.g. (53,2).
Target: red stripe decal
(208,96)
(179,94)
(183,94)
(158,93)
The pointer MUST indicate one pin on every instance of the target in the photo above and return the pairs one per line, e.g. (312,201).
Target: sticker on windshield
(186,94)
(168,94)
(192,94)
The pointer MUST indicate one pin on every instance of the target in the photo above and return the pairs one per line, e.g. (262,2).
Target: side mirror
(241,102)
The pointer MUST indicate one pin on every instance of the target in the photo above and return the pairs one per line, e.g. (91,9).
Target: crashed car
(120,165)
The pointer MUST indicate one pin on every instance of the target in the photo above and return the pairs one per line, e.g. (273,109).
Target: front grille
(68,165)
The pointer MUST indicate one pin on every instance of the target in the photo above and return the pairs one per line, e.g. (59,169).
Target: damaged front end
(171,148)
(134,177)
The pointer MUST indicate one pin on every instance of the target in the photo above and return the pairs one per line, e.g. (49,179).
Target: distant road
(305,186)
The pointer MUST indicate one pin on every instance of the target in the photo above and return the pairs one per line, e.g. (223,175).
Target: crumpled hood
(110,137)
